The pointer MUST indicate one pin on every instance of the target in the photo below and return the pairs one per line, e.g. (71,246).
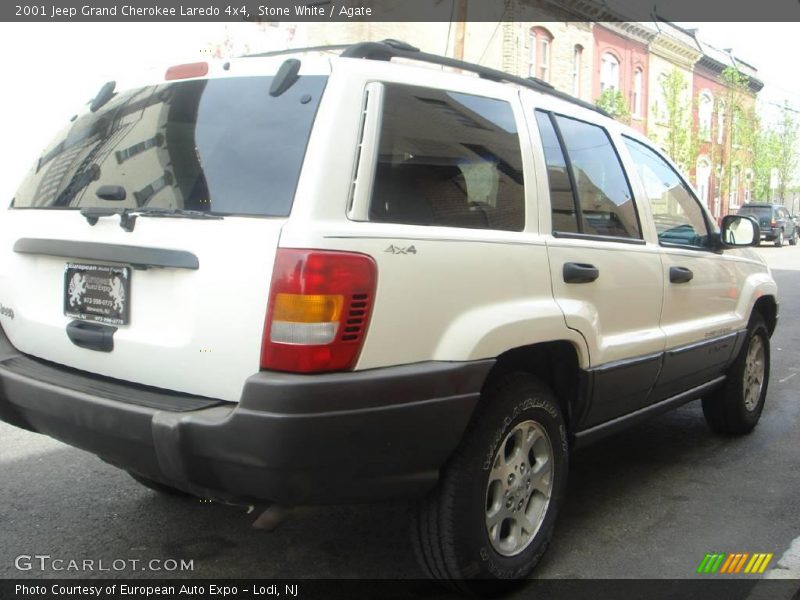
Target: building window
(704,112)
(539,45)
(609,72)
(733,195)
(637,92)
(577,62)
(703,174)
(720,121)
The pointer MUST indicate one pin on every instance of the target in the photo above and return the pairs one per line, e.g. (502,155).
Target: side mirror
(738,231)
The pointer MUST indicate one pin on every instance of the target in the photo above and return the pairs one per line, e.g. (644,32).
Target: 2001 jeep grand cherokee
(317,279)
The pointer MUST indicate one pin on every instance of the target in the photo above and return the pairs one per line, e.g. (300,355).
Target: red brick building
(621,63)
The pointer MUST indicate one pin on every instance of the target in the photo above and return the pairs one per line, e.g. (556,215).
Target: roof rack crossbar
(389,49)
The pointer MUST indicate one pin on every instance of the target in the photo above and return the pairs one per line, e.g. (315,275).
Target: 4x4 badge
(398,250)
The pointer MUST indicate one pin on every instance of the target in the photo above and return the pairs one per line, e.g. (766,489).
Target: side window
(605,201)
(562,199)
(448,159)
(677,214)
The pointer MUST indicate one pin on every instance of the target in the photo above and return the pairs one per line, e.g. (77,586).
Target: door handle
(580,272)
(680,275)
(92,336)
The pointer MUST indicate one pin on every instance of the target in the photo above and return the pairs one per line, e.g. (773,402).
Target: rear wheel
(493,513)
(779,239)
(793,239)
(736,407)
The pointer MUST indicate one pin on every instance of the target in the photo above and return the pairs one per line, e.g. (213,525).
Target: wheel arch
(557,364)
(767,307)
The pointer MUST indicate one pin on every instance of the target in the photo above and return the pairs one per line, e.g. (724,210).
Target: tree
(765,149)
(787,133)
(736,148)
(613,103)
(677,113)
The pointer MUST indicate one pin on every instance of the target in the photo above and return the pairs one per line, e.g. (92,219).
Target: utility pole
(461,28)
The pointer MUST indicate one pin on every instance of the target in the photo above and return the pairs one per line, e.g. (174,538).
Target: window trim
(710,227)
(705,132)
(618,63)
(638,92)
(577,67)
(538,35)
(576,199)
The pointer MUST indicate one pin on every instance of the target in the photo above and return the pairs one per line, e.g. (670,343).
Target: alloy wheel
(519,488)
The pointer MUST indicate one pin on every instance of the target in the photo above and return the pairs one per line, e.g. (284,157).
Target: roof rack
(328,48)
(388,49)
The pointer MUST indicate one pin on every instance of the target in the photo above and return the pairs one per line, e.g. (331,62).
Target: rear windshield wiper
(175,212)
(127,216)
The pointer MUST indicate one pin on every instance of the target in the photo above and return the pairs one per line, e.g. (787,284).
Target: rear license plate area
(97,293)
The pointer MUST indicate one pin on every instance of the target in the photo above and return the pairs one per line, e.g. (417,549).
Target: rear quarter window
(448,159)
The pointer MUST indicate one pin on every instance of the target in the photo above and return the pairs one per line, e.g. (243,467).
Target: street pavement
(647,503)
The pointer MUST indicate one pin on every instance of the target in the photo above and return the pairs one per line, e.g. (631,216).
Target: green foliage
(613,103)
(677,115)
(788,132)
(775,147)
(736,151)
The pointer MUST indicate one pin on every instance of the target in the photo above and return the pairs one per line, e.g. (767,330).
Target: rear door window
(605,201)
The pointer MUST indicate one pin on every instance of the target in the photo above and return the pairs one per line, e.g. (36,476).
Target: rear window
(221,145)
(762,211)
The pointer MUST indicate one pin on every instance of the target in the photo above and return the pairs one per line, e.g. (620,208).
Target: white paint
(788,566)
(785,379)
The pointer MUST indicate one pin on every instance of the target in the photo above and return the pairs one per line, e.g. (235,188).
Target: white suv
(315,279)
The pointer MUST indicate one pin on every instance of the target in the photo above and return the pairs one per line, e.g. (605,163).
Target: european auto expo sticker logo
(734,563)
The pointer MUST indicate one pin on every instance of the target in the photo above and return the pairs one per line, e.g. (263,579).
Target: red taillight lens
(199,69)
(319,309)
(773,222)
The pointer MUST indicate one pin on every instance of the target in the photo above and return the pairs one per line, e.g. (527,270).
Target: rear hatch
(159,214)
(763,214)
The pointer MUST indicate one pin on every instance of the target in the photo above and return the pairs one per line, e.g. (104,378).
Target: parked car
(774,220)
(311,279)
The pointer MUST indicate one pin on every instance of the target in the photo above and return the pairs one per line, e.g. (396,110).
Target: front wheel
(736,407)
(493,513)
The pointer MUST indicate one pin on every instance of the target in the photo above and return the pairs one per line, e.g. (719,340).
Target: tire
(157,486)
(779,239)
(793,239)
(469,529)
(735,408)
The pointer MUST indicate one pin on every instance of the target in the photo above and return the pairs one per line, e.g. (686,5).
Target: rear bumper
(770,234)
(292,439)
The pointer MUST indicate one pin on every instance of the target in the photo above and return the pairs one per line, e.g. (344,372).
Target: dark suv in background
(774,220)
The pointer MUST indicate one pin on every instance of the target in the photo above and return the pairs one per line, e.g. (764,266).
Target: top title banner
(397,10)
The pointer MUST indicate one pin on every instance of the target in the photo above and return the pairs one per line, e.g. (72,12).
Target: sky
(51,69)
(769,47)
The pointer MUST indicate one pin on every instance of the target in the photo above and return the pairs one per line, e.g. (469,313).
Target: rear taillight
(319,309)
(773,222)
